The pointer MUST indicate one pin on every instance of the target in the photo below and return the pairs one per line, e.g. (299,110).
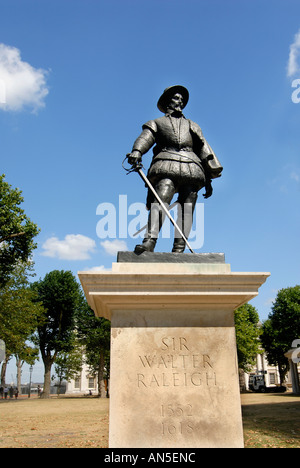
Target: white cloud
(73,247)
(270,301)
(21,85)
(96,269)
(295,176)
(293,67)
(115,246)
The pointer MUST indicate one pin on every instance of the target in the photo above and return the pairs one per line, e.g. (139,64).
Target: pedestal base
(174,374)
(174,386)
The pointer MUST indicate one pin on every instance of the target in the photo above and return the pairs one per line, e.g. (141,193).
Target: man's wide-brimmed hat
(168,93)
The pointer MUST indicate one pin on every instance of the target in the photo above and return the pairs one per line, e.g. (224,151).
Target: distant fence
(34,389)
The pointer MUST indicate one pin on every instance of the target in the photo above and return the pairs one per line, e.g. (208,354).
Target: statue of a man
(183,163)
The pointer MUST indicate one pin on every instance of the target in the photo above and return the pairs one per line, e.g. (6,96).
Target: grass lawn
(54,423)
(270,420)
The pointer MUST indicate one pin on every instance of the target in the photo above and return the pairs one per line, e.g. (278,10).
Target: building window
(77,383)
(91,382)
(272,378)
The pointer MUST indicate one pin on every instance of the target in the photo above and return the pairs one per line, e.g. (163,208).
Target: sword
(144,227)
(138,168)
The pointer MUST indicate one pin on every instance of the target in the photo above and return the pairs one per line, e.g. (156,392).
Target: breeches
(166,189)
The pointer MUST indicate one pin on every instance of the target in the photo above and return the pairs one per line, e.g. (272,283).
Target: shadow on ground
(273,420)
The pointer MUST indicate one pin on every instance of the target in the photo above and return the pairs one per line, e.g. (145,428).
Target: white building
(85,384)
(271,373)
(262,366)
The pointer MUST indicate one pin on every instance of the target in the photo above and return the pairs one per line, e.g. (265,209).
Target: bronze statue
(183,163)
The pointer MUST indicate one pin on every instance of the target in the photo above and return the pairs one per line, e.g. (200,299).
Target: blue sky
(81,78)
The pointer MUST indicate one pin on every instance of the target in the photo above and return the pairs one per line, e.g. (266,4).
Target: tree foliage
(247,336)
(94,333)
(282,328)
(68,365)
(59,293)
(17,231)
(20,315)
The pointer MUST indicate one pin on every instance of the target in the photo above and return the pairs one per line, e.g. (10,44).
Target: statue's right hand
(134,158)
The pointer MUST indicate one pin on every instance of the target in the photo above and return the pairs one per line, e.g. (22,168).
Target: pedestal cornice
(128,286)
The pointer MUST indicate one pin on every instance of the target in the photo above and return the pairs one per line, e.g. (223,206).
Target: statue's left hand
(208,189)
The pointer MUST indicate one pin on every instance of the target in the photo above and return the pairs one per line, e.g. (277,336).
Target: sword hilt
(134,167)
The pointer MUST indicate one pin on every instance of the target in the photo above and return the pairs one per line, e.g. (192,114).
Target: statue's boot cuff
(148,245)
(179,246)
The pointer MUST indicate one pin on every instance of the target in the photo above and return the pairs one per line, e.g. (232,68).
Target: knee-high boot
(184,221)
(156,218)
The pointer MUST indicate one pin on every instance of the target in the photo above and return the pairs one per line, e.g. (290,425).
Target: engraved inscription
(177,419)
(175,365)
(176,344)
(175,379)
(175,361)
(177,428)
(176,410)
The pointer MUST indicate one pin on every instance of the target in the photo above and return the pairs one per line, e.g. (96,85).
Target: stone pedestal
(174,375)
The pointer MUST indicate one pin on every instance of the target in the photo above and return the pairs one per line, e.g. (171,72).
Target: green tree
(94,333)
(274,349)
(247,336)
(68,365)
(59,293)
(282,328)
(29,355)
(17,231)
(20,314)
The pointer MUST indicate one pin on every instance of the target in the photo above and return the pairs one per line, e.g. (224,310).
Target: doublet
(180,150)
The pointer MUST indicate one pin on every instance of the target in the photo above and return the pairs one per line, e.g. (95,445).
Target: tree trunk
(106,387)
(59,387)
(47,378)
(3,371)
(242,380)
(100,374)
(282,373)
(19,367)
